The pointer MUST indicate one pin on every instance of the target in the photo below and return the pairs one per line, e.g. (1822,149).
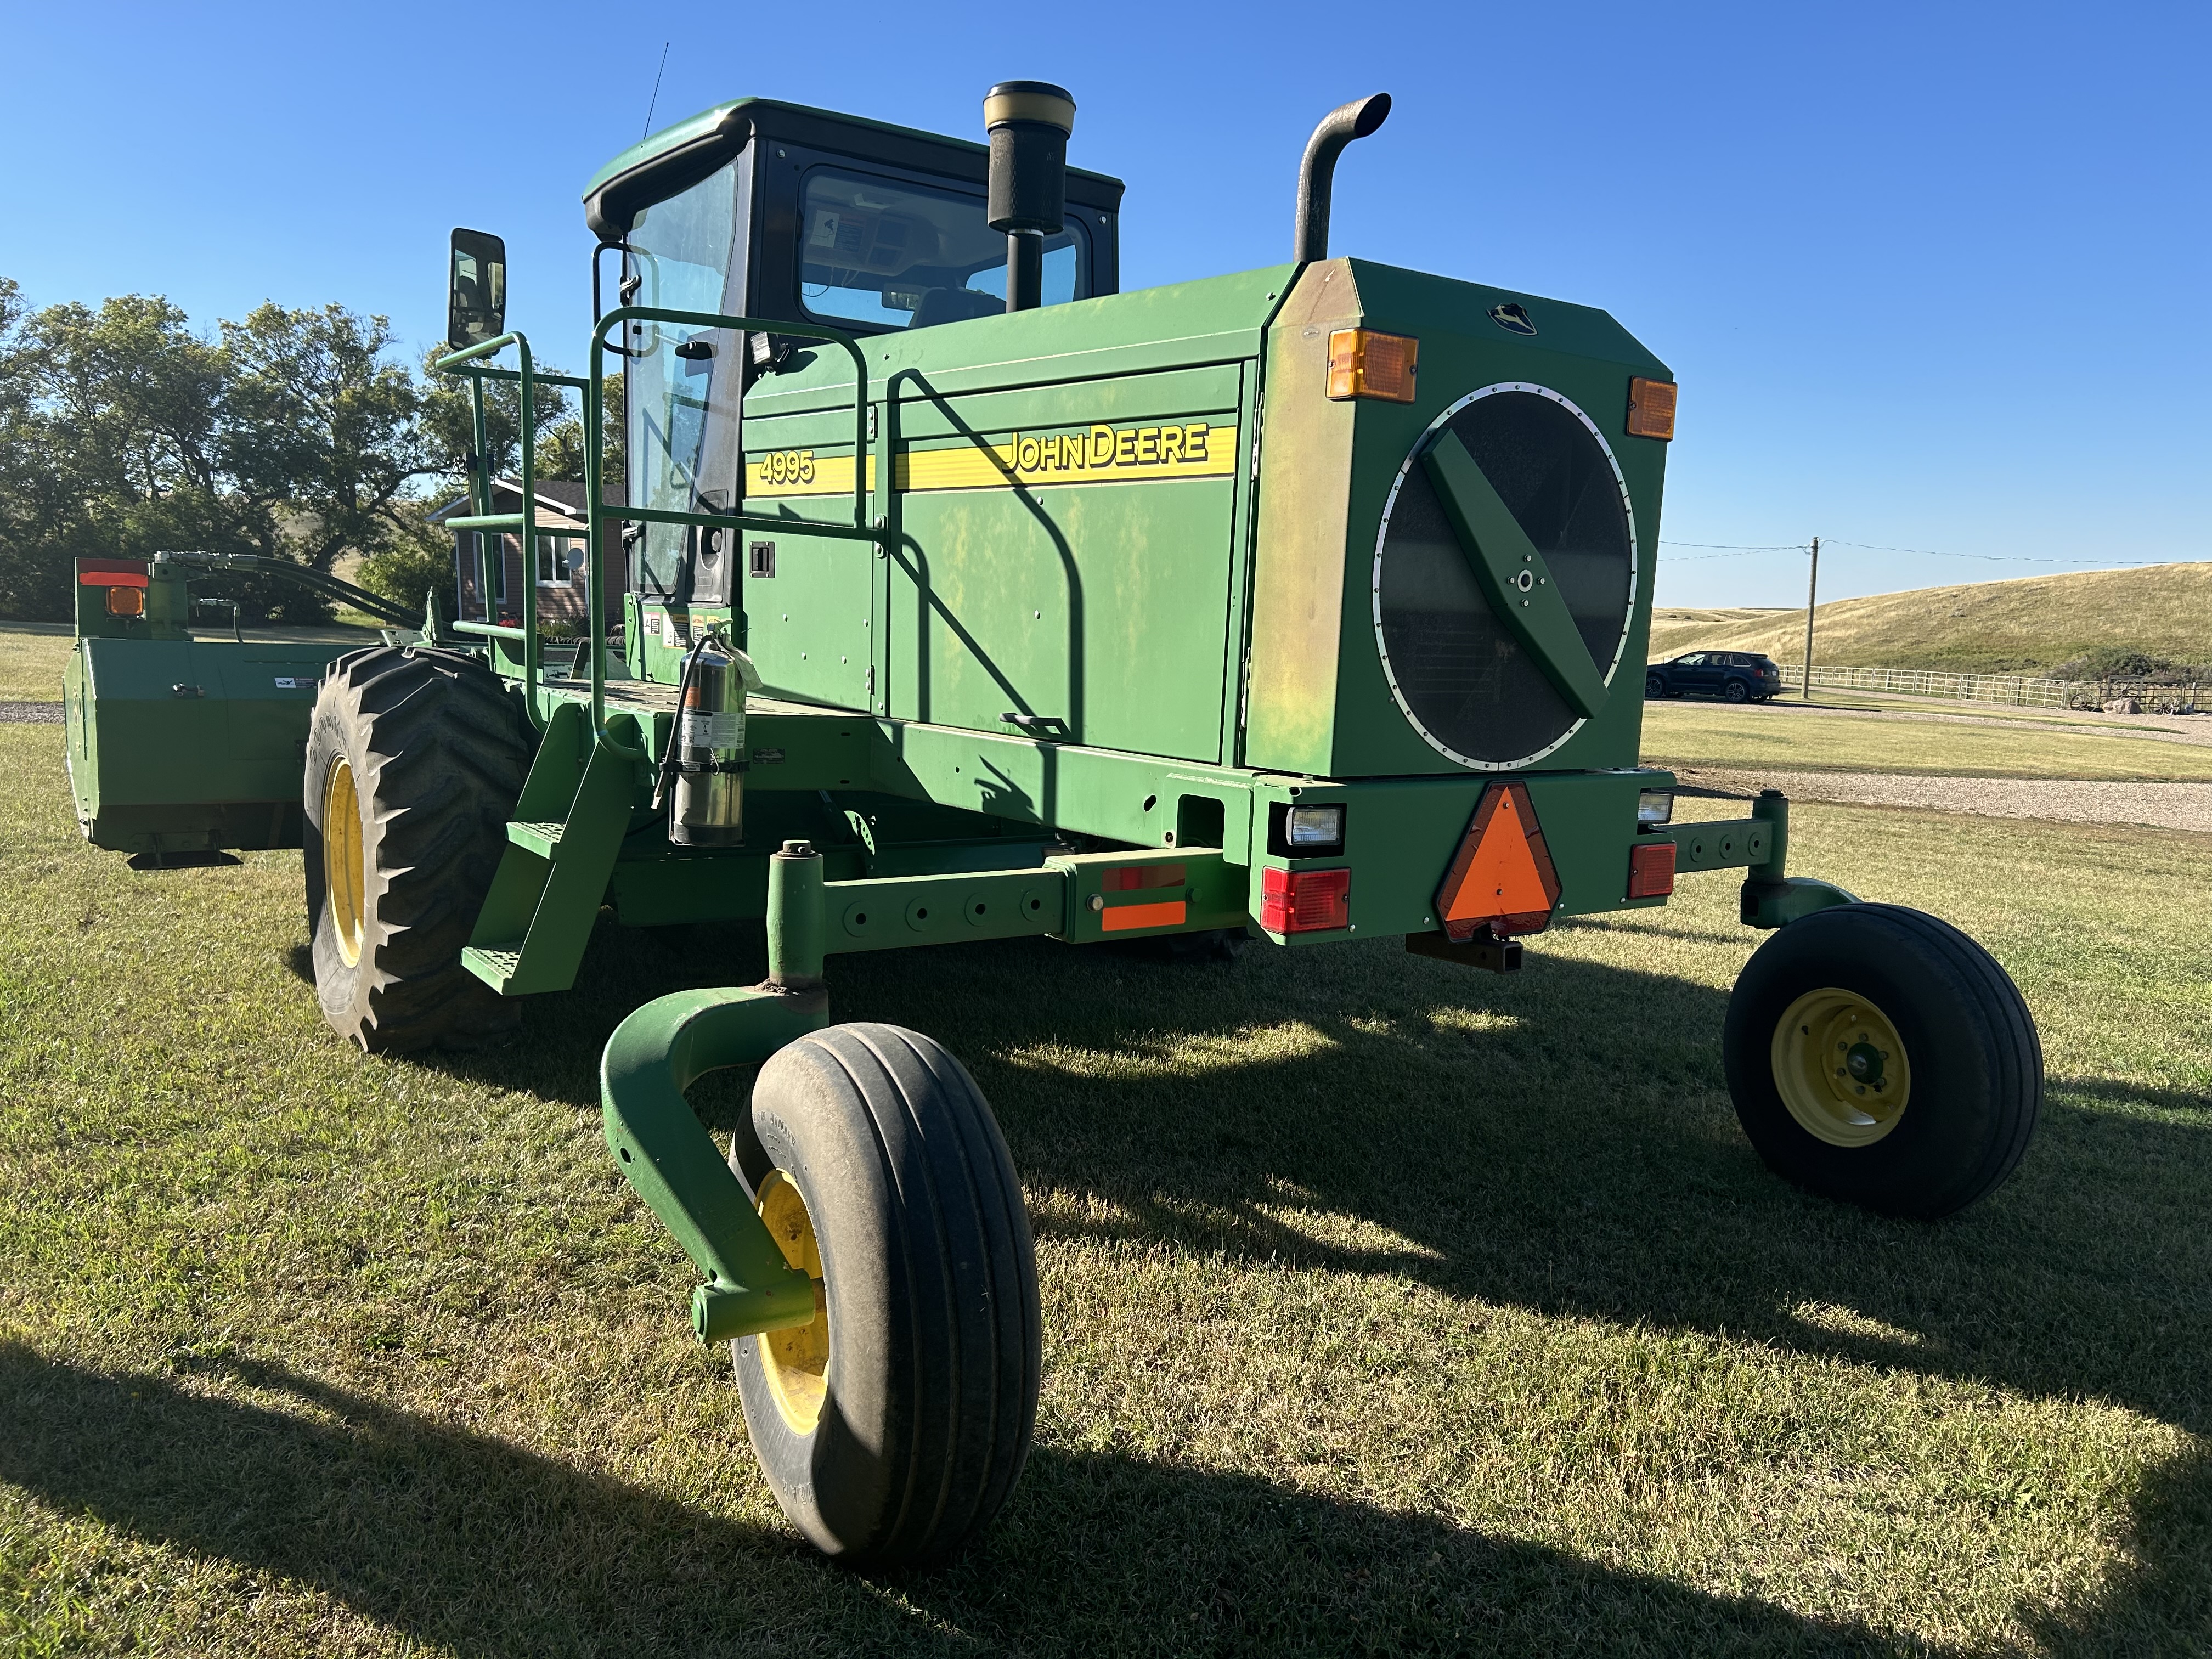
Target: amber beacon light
(1364,364)
(1650,409)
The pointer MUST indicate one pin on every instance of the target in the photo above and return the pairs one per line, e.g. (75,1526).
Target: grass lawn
(2057,720)
(1685,734)
(31,659)
(1390,1307)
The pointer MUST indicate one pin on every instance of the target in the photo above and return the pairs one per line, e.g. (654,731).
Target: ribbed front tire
(414,759)
(893,1429)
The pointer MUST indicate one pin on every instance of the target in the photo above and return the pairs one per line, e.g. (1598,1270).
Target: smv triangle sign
(1501,877)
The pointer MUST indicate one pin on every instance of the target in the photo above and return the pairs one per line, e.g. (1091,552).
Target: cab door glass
(683,384)
(901,255)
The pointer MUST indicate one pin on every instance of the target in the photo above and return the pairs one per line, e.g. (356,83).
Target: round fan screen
(1461,675)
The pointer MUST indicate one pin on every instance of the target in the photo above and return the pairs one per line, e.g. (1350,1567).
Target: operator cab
(760,208)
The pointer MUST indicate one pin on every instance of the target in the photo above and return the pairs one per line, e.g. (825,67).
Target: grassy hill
(2030,625)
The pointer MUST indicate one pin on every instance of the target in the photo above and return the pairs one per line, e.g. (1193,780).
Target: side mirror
(475,304)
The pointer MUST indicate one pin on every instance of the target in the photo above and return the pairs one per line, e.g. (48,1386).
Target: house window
(487,557)
(559,558)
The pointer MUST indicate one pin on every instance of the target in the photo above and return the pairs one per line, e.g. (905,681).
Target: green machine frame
(571,846)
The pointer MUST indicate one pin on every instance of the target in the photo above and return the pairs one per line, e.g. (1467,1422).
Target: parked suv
(1736,676)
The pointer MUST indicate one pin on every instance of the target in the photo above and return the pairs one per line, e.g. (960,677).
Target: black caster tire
(415,760)
(894,1428)
(1878,1056)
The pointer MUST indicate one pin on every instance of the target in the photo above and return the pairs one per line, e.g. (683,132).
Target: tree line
(293,435)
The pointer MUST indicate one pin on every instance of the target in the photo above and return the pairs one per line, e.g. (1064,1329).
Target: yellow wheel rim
(1841,1068)
(342,879)
(796,1361)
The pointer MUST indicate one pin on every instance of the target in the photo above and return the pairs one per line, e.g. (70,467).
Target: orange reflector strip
(1362,363)
(1651,869)
(1502,875)
(1121,918)
(1137,878)
(137,577)
(1650,409)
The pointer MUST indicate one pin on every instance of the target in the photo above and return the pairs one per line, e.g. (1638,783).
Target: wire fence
(2148,695)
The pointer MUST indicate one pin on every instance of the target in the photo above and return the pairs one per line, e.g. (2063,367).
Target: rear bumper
(1401,835)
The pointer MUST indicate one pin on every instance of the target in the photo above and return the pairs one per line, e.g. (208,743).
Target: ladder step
(543,839)
(495,964)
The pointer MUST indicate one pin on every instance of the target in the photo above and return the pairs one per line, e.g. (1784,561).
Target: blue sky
(1931,278)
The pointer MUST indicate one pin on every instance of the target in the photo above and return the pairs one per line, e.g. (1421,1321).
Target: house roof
(560,503)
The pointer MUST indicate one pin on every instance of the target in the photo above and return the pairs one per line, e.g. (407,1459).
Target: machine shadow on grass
(462,1540)
(1560,1141)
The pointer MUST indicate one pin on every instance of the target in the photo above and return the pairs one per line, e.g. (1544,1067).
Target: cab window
(681,384)
(901,255)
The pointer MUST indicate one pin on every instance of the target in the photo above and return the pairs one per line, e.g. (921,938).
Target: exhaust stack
(1030,122)
(1317,171)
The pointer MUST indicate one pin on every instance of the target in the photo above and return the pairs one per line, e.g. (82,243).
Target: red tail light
(1651,869)
(1305,901)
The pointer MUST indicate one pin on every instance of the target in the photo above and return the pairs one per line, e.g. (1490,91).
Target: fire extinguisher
(706,758)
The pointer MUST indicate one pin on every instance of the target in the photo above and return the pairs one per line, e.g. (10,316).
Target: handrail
(574,381)
(601,511)
(761,326)
(464,363)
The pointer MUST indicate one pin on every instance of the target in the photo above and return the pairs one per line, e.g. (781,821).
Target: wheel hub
(343,867)
(796,1361)
(1862,1064)
(1841,1068)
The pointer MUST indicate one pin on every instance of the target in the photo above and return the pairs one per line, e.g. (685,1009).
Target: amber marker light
(1650,409)
(1364,364)
(126,601)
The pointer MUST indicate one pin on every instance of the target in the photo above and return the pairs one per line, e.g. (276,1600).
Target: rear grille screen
(1454,667)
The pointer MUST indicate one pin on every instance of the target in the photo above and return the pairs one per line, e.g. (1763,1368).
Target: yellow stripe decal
(1094,455)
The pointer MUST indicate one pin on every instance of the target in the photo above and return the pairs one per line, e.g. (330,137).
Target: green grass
(1779,737)
(31,657)
(1389,1307)
(2030,625)
(2025,715)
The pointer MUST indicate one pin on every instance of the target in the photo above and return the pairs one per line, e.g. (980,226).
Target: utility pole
(1812,598)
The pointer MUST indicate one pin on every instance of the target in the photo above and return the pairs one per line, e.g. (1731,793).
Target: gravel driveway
(2165,805)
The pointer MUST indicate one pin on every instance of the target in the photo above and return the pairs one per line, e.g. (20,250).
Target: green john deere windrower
(968,597)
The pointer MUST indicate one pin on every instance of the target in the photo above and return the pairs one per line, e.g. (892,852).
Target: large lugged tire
(1878,1055)
(414,758)
(893,1428)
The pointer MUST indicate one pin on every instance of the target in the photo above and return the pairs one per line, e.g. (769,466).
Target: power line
(1700,558)
(1998,558)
